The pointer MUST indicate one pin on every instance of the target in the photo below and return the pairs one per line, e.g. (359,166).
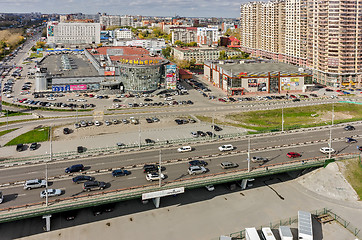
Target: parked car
(197,163)
(66,130)
(216,128)
(154,176)
(97,123)
(20,147)
(193,170)
(70,215)
(120,172)
(33,146)
(80,149)
(293,155)
(226,165)
(149,120)
(149,141)
(210,188)
(51,193)
(74,168)
(201,133)
(326,150)
(259,159)
(349,128)
(194,134)
(226,147)
(184,149)
(120,144)
(94,185)
(82,178)
(34,183)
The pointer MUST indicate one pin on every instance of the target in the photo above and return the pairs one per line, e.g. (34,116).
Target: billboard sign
(163,193)
(171,77)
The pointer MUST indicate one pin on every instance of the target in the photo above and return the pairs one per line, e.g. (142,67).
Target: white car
(51,99)
(154,176)
(226,147)
(184,149)
(97,123)
(210,188)
(326,150)
(107,123)
(51,193)
(193,170)
(81,100)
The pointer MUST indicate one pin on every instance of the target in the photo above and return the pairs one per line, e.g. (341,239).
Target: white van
(184,149)
(226,147)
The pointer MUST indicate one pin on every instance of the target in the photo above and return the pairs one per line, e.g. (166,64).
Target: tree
(222,55)
(166,52)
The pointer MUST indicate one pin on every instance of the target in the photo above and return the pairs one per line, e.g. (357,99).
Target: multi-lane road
(306,143)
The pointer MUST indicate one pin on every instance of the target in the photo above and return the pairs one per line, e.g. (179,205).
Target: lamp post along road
(330,133)
(159,171)
(248,154)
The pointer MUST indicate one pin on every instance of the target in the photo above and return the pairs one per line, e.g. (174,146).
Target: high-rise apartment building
(335,41)
(324,36)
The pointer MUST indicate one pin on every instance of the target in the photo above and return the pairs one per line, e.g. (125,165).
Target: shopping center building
(256,76)
(130,69)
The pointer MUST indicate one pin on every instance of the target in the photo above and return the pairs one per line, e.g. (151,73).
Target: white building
(184,34)
(123,33)
(73,33)
(207,36)
(154,45)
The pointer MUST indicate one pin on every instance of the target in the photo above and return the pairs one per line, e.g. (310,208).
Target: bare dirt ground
(330,182)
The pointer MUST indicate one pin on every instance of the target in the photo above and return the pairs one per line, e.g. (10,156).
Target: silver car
(193,170)
(34,183)
(51,193)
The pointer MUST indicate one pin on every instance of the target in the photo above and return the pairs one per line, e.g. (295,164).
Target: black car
(120,172)
(70,215)
(149,120)
(349,128)
(82,178)
(197,163)
(33,146)
(216,128)
(148,168)
(94,185)
(80,149)
(210,134)
(20,147)
(66,130)
(149,141)
(74,168)
(201,133)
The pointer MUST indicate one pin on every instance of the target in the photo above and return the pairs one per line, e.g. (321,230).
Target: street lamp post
(248,154)
(283,117)
(46,167)
(330,133)
(139,136)
(159,171)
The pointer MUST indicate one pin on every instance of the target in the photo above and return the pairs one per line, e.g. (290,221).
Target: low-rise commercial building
(202,54)
(256,76)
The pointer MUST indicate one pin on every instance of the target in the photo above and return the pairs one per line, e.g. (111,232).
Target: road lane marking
(131,178)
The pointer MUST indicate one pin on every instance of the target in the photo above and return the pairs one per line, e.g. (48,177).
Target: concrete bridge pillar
(47,222)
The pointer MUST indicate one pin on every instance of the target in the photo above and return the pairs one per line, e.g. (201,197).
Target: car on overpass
(327,150)
(293,155)
(227,147)
(193,170)
(34,183)
(74,168)
(226,165)
(94,185)
(259,159)
(120,172)
(154,176)
(197,163)
(51,192)
(148,168)
(82,178)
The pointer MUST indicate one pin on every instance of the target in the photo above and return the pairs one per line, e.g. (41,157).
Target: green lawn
(298,117)
(7,131)
(36,135)
(353,174)
(36,55)
(12,113)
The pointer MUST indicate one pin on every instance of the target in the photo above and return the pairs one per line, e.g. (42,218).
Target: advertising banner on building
(171,77)
(65,88)
(109,73)
(259,83)
(289,83)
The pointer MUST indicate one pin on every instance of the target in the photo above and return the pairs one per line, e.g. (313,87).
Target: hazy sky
(187,8)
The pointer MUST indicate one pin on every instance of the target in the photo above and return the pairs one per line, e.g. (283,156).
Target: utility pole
(249,154)
(46,167)
(283,117)
(213,124)
(159,170)
(7,120)
(139,136)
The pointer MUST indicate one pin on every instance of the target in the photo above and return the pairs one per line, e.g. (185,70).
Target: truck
(267,234)
(251,234)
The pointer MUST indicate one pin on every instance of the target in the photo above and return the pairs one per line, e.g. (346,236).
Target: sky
(184,8)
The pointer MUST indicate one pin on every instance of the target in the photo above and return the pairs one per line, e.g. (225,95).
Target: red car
(293,155)
(221,100)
